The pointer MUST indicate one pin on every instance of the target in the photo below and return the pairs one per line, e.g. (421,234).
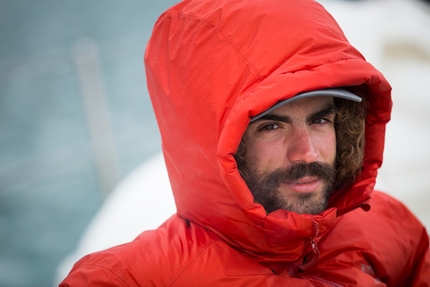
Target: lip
(304,185)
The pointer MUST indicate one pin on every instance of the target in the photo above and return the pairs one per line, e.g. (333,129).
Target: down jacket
(212,65)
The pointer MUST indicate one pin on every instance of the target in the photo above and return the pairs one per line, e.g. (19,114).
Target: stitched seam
(217,29)
(106,269)
(191,262)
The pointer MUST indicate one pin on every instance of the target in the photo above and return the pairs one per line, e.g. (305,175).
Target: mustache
(297,171)
(321,170)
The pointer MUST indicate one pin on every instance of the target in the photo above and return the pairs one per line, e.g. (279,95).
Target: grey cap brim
(338,93)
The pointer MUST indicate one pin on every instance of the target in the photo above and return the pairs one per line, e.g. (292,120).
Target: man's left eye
(320,121)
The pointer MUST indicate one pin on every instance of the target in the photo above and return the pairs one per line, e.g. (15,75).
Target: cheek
(327,146)
(264,156)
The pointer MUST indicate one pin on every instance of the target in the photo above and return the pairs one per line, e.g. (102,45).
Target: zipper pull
(313,257)
(314,246)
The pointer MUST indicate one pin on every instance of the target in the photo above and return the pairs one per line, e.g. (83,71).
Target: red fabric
(384,247)
(211,65)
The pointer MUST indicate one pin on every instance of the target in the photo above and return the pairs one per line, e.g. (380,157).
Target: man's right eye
(269,127)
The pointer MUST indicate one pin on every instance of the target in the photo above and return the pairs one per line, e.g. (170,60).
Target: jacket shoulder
(154,258)
(178,252)
(387,242)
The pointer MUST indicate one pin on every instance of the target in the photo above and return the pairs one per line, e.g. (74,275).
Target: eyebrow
(328,110)
(331,109)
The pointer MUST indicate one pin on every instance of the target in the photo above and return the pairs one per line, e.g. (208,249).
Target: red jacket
(212,65)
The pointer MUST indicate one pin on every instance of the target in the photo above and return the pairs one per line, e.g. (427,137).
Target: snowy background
(80,168)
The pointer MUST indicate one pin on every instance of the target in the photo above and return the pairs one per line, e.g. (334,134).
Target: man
(297,140)
(273,129)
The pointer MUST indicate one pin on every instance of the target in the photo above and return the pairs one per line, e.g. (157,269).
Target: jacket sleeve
(363,268)
(420,271)
(91,276)
(387,243)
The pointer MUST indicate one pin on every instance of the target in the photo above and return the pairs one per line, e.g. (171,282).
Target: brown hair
(350,128)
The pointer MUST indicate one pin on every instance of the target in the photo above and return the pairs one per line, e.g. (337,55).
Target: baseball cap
(336,92)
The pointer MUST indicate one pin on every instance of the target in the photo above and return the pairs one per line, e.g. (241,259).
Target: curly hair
(350,129)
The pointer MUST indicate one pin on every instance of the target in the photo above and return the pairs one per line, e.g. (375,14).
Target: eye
(324,119)
(320,121)
(269,127)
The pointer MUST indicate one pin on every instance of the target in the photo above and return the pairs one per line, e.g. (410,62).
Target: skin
(290,155)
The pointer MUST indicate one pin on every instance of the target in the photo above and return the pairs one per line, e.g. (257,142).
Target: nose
(300,146)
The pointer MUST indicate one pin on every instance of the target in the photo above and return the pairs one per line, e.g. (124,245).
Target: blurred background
(76,120)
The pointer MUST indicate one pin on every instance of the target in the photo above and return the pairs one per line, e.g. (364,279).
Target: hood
(211,65)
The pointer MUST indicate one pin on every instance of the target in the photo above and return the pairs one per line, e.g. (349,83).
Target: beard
(265,187)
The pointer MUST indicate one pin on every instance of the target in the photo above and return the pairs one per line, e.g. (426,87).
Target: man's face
(290,154)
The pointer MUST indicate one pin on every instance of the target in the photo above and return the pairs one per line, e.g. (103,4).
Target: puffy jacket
(212,65)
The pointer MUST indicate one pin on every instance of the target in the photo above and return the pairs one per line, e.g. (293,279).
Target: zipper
(333,284)
(315,251)
(315,257)
(296,269)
